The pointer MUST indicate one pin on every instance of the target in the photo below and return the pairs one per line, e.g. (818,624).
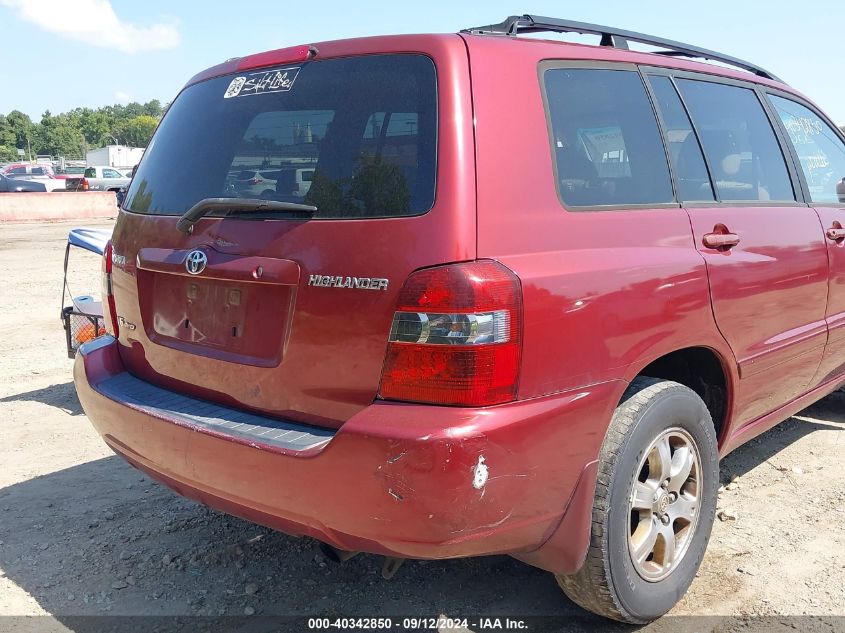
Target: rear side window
(90,173)
(820,150)
(605,139)
(693,181)
(742,150)
(364,127)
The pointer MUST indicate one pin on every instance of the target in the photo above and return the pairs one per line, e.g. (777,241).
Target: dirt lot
(82,533)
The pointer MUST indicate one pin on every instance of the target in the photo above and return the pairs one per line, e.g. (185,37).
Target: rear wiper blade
(237,205)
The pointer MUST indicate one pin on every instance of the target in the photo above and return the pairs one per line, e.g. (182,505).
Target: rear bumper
(396,479)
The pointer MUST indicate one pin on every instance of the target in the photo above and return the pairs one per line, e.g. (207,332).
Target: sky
(61,54)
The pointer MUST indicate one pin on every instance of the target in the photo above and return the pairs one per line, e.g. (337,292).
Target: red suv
(532,293)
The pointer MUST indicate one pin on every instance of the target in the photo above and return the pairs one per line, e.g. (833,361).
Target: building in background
(120,156)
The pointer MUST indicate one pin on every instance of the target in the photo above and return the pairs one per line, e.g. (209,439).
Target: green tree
(138,130)
(153,108)
(376,188)
(131,110)
(7,134)
(22,127)
(95,127)
(71,134)
(8,141)
(57,136)
(379,188)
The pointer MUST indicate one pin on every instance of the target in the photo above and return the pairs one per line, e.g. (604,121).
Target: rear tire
(651,517)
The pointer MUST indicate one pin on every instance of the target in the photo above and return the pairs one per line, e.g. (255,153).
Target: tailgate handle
(720,239)
(222,266)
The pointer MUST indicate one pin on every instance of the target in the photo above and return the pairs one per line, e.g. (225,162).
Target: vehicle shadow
(826,414)
(101,539)
(62,396)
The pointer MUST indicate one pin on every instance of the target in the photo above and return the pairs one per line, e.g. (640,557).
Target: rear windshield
(364,129)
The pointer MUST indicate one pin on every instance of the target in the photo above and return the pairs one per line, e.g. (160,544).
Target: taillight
(84,184)
(456,337)
(109,311)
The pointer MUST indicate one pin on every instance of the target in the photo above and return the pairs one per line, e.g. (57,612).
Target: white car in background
(98,179)
(255,183)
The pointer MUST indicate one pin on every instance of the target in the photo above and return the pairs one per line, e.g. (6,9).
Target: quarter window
(820,150)
(605,139)
(693,181)
(740,145)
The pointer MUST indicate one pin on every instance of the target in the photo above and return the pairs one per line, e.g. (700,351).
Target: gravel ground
(83,534)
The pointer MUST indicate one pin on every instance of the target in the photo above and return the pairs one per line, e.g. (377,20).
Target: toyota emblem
(195,262)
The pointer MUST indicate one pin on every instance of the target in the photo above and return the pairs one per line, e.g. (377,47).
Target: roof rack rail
(613,37)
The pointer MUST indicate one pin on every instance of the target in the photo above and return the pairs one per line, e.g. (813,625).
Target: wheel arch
(708,371)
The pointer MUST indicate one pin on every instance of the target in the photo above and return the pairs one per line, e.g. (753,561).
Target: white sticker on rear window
(276,80)
(234,87)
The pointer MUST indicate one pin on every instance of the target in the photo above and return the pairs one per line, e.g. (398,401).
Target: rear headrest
(723,150)
(285,181)
(573,164)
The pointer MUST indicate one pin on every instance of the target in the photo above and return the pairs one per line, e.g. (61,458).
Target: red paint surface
(328,347)
(396,479)
(604,295)
(769,294)
(833,361)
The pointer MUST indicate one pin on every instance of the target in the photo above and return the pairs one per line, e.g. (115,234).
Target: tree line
(72,134)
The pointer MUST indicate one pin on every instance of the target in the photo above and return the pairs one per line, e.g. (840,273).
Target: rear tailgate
(290,315)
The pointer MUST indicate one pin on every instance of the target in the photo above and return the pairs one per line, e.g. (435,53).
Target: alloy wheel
(663,504)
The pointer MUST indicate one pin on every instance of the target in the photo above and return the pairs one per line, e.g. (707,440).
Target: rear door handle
(721,241)
(836,232)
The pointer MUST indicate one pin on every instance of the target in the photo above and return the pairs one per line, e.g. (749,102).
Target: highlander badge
(362,283)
